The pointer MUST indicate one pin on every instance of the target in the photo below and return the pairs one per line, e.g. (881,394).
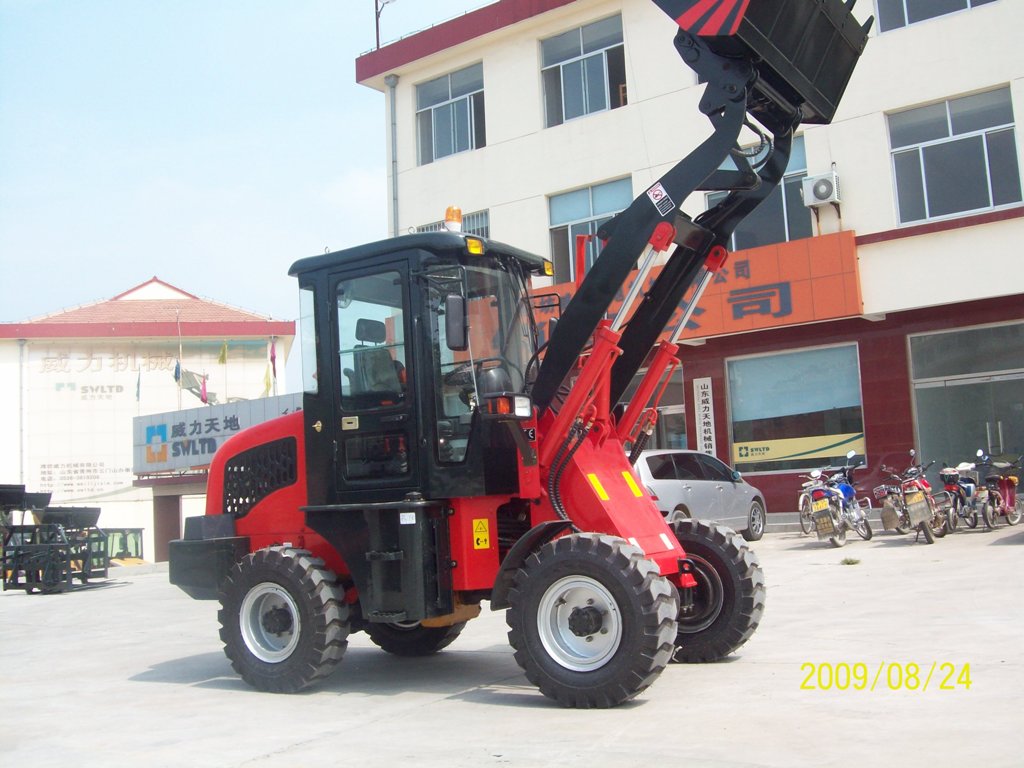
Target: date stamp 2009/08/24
(885,676)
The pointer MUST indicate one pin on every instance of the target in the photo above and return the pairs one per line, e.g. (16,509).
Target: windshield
(501,343)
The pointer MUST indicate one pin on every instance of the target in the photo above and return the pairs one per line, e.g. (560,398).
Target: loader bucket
(803,50)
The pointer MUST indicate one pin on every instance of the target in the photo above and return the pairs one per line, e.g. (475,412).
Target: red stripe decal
(739,17)
(692,16)
(714,25)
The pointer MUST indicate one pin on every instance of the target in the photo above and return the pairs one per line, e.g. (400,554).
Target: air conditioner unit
(822,189)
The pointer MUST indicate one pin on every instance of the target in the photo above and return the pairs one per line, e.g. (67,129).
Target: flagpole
(177,319)
(273,361)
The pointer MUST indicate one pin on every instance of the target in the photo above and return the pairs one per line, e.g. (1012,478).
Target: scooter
(1002,488)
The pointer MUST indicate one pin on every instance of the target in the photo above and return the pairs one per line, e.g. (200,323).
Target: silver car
(694,484)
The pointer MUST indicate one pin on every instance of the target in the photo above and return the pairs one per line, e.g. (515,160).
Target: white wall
(524,163)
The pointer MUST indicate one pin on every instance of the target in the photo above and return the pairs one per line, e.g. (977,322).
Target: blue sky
(208,142)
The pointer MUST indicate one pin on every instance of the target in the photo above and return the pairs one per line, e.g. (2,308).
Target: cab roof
(436,242)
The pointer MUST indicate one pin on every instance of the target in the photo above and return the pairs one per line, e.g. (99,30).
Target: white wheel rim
(586,652)
(269,622)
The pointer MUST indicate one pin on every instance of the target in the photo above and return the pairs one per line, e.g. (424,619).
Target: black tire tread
(330,620)
(413,642)
(659,607)
(719,640)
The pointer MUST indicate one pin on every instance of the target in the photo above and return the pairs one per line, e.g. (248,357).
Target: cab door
(376,429)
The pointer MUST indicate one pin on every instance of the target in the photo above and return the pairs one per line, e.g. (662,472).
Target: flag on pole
(267,382)
(177,370)
(222,358)
(273,358)
(202,390)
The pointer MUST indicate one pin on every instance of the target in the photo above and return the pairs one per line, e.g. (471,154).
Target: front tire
(863,529)
(284,624)
(729,597)
(591,620)
(806,521)
(413,639)
(756,522)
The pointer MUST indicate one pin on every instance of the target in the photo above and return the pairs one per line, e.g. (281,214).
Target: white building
(72,382)
(893,318)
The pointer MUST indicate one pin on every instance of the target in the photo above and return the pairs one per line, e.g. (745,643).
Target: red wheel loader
(442,459)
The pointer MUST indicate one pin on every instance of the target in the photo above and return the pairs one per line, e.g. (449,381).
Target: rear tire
(591,620)
(729,597)
(926,531)
(756,522)
(806,521)
(839,538)
(988,514)
(1015,514)
(284,624)
(953,514)
(413,639)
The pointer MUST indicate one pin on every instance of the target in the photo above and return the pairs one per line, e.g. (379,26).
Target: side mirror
(980,453)
(913,453)
(736,476)
(815,474)
(456,331)
(850,455)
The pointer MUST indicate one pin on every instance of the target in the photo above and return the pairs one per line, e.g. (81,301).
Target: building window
(969,391)
(477,223)
(584,71)
(893,14)
(450,114)
(582,212)
(795,410)
(958,156)
(782,216)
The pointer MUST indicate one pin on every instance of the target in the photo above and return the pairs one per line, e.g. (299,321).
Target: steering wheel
(463,374)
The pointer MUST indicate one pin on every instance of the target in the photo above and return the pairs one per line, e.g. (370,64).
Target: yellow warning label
(632,484)
(595,481)
(481,533)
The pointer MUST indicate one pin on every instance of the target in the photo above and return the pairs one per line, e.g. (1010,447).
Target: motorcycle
(968,497)
(835,508)
(804,500)
(1002,489)
(908,504)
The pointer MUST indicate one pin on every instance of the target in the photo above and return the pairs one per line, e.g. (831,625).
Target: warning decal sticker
(481,533)
(659,196)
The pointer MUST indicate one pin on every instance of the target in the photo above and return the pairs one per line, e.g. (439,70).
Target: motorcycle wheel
(972,519)
(926,531)
(952,517)
(939,524)
(1014,515)
(806,521)
(839,539)
(863,529)
(988,514)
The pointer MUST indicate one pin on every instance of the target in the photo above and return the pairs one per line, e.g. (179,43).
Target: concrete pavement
(132,672)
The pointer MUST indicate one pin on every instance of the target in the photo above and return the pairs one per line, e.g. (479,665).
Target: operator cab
(404,342)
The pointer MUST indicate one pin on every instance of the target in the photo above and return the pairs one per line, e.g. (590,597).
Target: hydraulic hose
(568,449)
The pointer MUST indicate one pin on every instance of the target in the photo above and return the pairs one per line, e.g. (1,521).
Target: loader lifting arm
(776,62)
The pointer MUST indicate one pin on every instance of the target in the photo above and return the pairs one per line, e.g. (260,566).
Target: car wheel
(755,522)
